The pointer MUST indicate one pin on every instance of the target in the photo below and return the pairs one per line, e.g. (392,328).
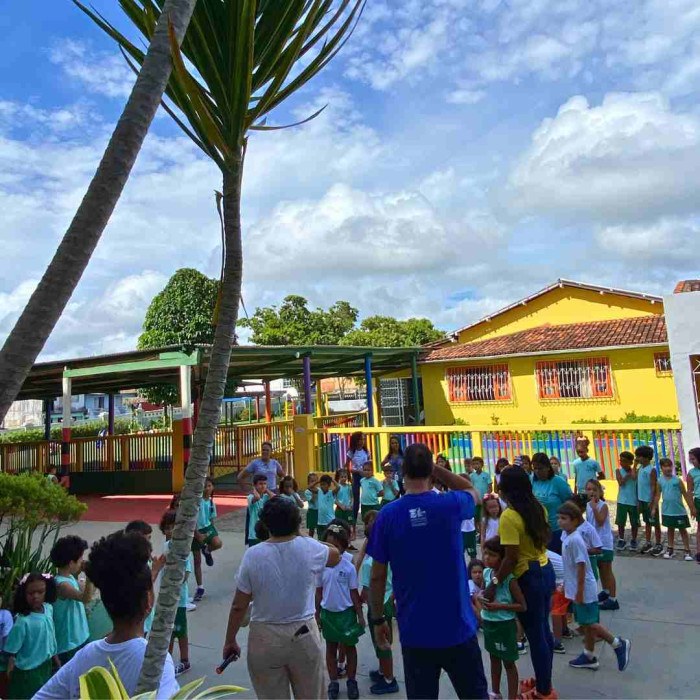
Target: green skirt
(311,518)
(26,684)
(341,627)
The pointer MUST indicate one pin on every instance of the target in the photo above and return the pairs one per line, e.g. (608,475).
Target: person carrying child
(673,513)
(580,587)
(598,515)
(626,476)
(498,620)
(371,490)
(256,501)
(339,613)
(693,483)
(119,566)
(288,490)
(31,644)
(328,488)
(311,496)
(167,525)
(70,619)
(206,537)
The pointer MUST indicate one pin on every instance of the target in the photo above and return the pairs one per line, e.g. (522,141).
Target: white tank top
(491,528)
(604,531)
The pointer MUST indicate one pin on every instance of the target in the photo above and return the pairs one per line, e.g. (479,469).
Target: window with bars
(575,379)
(484,383)
(662,363)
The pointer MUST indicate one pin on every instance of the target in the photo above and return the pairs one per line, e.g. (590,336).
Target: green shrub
(122,426)
(32,513)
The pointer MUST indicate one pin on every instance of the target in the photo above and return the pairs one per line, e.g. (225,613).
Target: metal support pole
(368,380)
(110,414)
(414,385)
(308,408)
(47,419)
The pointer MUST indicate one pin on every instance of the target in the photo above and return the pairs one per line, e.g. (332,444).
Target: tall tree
(293,323)
(388,332)
(47,303)
(248,56)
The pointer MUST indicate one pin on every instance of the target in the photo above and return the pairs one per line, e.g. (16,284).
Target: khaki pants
(278,659)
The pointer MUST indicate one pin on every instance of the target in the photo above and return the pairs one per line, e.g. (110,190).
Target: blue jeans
(538,584)
(356,479)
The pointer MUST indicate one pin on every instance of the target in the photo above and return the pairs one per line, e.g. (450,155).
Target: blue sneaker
(609,604)
(384,687)
(333,690)
(584,661)
(376,676)
(603,595)
(353,689)
(623,653)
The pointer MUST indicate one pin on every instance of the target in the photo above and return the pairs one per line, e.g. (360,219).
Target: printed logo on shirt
(418,517)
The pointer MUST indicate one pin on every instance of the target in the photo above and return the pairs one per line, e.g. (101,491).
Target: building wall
(561,306)
(636,388)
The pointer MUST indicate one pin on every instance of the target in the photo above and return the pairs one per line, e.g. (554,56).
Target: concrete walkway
(658,612)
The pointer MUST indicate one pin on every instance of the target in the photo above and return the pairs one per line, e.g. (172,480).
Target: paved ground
(659,614)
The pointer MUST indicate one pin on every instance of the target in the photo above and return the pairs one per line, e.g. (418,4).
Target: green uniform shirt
(644,483)
(391,491)
(370,488)
(311,500)
(585,470)
(481,482)
(32,640)
(326,506)
(551,493)
(627,493)
(672,496)
(503,595)
(254,513)
(70,618)
(344,495)
(695,473)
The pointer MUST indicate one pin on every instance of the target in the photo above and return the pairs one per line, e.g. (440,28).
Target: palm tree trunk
(51,296)
(204,434)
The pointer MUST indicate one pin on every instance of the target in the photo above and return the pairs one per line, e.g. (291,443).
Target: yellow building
(569,352)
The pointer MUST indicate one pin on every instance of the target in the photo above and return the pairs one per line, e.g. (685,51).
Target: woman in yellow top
(525,532)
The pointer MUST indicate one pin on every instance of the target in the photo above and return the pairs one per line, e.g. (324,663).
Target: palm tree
(56,287)
(243,53)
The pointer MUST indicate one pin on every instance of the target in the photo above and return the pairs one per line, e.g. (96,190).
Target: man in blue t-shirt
(420,536)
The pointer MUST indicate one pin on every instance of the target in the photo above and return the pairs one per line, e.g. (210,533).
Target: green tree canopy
(385,331)
(293,323)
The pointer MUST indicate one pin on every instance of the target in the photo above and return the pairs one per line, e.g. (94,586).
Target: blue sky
(472,152)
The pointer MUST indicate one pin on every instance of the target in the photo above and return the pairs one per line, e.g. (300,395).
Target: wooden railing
(342,420)
(457,443)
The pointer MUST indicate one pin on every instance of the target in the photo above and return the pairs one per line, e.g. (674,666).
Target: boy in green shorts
(327,489)
(648,495)
(371,489)
(339,613)
(626,475)
(693,483)
(311,496)
(580,587)
(256,501)
(206,537)
(673,513)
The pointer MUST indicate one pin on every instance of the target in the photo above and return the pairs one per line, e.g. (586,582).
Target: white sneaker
(668,554)
(190,607)
(688,557)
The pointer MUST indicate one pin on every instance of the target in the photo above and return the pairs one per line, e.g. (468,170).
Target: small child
(498,619)
(70,619)
(51,477)
(256,501)
(626,475)
(588,533)
(580,587)
(673,514)
(469,537)
(598,515)
(167,525)
(311,499)
(31,644)
(288,490)
(481,481)
(648,494)
(371,489)
(492,516)
(339,613)
(475,571)
(328,488)
(206,537)
(390,486)
(343,499)
(383,679)
(693,483)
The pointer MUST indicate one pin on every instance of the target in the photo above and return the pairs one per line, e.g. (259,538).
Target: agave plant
(238,61)
(102,684)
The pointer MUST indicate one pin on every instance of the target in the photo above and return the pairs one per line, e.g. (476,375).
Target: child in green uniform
(167,525)
(31,644)
(256,501)
(481,481)
(626,475)
(371,489)
(339,613)
(647,493)
(288,490)
(343,498)
(70,619)
(390,485)
(693,481)
(206,537)
(328,488)
(312,500)
(673,513)
(498,619)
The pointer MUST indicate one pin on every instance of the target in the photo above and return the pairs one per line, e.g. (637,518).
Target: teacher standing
(355,461)
(525,533)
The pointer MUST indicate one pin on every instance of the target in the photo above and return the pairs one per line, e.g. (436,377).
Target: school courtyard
(657,613)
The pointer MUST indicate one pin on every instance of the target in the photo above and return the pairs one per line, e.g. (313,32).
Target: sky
(471,153)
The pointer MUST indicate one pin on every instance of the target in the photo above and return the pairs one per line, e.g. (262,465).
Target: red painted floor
(122,509)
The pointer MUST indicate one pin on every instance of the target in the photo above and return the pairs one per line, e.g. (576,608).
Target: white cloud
(629,158)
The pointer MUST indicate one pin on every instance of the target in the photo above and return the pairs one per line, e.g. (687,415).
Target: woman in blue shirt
(551,491)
